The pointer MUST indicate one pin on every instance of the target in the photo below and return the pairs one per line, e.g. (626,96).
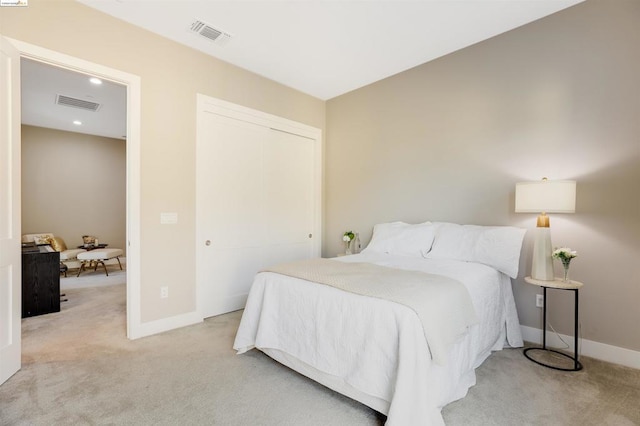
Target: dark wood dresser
(40,281)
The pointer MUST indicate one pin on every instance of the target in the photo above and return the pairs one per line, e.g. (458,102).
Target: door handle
(207,243)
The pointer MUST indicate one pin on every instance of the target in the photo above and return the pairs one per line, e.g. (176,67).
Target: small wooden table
(559,284)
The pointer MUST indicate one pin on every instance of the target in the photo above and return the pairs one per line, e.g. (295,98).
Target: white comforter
(378,347)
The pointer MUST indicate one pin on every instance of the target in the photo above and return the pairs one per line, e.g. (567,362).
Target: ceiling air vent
(77,103)
(218,36)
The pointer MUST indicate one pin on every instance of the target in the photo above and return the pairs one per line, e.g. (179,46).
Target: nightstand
(558,284)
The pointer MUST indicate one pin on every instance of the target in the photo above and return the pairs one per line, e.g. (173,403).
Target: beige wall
(74,185)
(443,141)
(448,140)
(171,75)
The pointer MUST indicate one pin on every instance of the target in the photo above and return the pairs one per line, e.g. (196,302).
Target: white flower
(346,239)
(564,253)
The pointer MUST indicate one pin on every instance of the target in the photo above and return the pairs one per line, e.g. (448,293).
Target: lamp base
(542,265)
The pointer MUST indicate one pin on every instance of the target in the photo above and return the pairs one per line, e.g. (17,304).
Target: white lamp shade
(548,196)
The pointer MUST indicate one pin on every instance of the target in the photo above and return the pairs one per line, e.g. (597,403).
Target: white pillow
(402,239)
(495,246)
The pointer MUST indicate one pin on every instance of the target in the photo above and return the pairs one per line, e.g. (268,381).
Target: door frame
(228,109)
(133,84)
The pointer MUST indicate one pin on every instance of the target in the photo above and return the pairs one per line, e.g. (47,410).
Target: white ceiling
(324,48)
(42,83)
(328,47)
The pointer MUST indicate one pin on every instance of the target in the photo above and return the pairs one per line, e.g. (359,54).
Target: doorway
(133,85)
(73,183)
(12,51)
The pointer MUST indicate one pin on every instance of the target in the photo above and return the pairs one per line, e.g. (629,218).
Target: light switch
(168,218)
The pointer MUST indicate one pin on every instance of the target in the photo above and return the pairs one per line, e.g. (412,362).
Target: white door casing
(135,327)
(10,266)
(258,198)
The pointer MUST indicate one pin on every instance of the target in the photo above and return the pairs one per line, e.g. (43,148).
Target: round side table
(558,284)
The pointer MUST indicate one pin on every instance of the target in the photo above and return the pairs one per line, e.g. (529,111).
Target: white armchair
(67,256)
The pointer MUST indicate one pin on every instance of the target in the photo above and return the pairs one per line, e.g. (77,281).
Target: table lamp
(545,196)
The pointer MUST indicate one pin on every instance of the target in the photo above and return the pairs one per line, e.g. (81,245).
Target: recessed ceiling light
(77,122)
(95,80)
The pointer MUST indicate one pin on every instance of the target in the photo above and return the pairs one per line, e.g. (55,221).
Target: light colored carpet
(79,368)
(91,278)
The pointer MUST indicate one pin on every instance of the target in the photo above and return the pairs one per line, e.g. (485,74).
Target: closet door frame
(207,104)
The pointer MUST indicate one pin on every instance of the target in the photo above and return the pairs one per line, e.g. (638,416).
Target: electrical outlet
(164,292)
(539,301)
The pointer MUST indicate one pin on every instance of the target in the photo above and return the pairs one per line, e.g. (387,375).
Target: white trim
(240,112)
(133,83)
(601,351)
(166,324)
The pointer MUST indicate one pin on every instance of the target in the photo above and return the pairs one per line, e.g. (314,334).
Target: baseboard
(165,324)
(601,351)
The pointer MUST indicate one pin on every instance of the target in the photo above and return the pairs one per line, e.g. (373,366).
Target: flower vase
(565,265)
(348,251)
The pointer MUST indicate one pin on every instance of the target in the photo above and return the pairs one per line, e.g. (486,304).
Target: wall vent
(77,103)
(207,31)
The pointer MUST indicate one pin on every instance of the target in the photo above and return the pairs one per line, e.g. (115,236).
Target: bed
(376,350)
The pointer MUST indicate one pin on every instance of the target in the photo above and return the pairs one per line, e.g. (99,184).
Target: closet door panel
(288,188)
(229,210)
(281,253)
(231,182)
(231,271)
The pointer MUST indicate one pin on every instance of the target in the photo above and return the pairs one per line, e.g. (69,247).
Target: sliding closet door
(229,192)
(288,197)
(256,204)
